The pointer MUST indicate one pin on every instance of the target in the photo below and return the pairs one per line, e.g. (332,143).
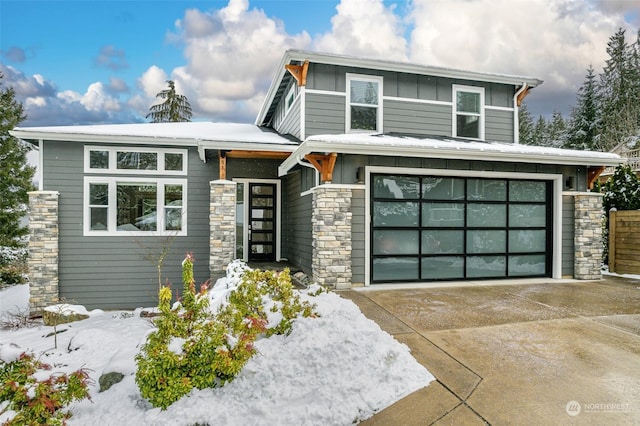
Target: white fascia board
(353,147)
(248,146)
(100,138)
(273,88)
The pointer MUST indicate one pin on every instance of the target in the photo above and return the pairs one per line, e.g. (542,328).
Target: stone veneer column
(588,236)
(222,226)
(331,222)
(43,250)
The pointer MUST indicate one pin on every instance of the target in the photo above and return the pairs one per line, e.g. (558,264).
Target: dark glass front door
(262,221)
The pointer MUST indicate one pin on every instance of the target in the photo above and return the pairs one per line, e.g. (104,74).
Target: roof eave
(311,146)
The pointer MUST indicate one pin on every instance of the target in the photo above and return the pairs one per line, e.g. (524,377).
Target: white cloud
(231,57)
(365,28)
(554,40)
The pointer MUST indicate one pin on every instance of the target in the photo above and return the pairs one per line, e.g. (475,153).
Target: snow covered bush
(13,265)
(31,393)
(199,344)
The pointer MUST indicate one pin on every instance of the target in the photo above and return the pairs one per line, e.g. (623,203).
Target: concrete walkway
(545,353)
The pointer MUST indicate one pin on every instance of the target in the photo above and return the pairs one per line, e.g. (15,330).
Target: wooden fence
(624,241)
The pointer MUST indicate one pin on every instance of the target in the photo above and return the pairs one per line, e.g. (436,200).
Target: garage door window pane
(486,190)
(398,187)
(435,241)
(487,215)
(527,191)
(439,188)
(527,215)
(445,267)
(395,214)
(486,266)
(395,242)
(395,269)
(486,241)
(443,215)
(527,265)
(527,241)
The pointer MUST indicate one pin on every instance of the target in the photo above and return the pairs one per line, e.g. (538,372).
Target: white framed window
(364,103)
(138,160)
(468,112)
(134,206)
(291,97)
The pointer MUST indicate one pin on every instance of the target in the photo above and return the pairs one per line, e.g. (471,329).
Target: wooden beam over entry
(222,161)
(324,164)
(276,155)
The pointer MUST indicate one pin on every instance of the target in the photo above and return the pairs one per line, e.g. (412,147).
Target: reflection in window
(132,160)
(99,159)
(137,207)
(98,206)
(364,103)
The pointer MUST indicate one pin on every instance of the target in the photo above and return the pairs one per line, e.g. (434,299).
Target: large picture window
(426,228)
(115,204)
(468,104)
(364,103)
(138,206)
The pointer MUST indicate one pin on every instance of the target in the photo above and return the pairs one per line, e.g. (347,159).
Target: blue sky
(91,62)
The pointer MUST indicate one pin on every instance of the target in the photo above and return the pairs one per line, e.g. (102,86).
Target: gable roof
(293,56)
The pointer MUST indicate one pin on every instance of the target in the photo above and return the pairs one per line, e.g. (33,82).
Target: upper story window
(291,97)
(115,204)
(364,103)
(135,160)
(468,112)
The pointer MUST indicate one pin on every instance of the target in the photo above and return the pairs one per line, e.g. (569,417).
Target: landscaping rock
(57,318)
(109,379)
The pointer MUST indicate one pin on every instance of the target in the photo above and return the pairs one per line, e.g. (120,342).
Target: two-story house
(359,172)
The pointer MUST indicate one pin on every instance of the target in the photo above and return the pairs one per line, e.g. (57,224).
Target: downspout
(516,119)
(317,173)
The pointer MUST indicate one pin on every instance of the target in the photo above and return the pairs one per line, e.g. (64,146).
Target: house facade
(358,172)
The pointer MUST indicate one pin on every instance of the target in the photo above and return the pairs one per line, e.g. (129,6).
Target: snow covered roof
(205,134)
(436,147)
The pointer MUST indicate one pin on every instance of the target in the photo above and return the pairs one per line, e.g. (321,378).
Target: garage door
(427,228)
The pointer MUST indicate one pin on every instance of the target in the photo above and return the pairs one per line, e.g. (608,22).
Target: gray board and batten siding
(297,232)
(406,112)
(111,272)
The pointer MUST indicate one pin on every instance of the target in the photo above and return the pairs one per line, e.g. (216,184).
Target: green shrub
(195,348)
(13,265)
(36,396)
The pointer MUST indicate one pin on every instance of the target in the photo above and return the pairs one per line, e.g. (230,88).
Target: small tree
(175,108)
(15,182)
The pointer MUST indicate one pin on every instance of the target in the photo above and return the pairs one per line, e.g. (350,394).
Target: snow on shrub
(204,340)
(32,393)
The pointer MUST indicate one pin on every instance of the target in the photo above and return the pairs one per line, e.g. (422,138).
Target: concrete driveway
(540,352)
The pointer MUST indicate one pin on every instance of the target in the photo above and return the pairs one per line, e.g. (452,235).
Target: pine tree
(175,108)
(15,173)
(615,90)
(526,128)
(557,130)
(540,132)
(583,124)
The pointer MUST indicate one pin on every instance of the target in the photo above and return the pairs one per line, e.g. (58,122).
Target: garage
(433,227)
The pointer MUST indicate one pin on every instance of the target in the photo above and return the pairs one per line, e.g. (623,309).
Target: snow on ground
(336,369)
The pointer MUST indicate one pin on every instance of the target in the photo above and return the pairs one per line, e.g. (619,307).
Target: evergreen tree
(583,124)
(175,108)
(557,130)
(15,173)
(615,89)
(540,132)
(526,128)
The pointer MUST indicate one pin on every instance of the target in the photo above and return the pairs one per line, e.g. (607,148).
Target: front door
(262,221)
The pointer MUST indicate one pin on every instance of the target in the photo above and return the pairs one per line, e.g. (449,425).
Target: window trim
(113,150)
(454,119)
(379,107)
(112,183)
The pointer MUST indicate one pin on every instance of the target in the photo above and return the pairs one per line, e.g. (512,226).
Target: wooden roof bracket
(593,173)
(324,164)
(299,72)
